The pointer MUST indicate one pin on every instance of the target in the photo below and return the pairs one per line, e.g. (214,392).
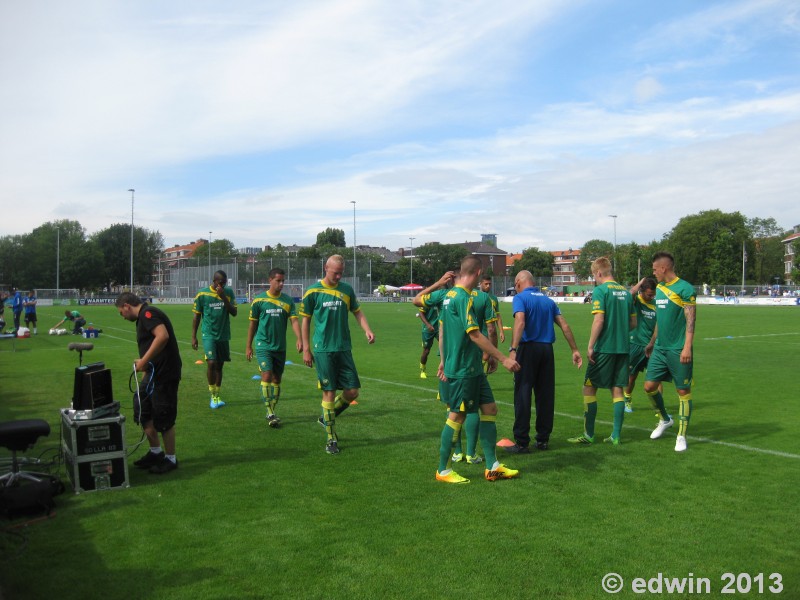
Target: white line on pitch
(736,337)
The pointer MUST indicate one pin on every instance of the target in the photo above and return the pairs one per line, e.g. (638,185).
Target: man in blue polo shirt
(532,345)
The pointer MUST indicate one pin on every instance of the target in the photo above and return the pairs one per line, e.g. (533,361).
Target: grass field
(259,513)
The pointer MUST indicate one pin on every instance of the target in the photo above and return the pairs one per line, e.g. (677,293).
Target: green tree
(764,251)
(591,250)
(538,262)
(631,261)
(12,261)
(433,259)
(114,243)
(223,248)
(708,247)
(332,237)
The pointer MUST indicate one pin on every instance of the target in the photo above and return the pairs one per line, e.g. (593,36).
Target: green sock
(657,401)
(589,414)
(340,404)
(450,431)
(266,393)
(488,431)
(619,416)
(472,425)
(329,417)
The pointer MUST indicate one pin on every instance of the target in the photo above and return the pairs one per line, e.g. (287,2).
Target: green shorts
(466,395)
(666,365)
(637,361)
(607,371)
(272,361)
(428,338)
(217,350)
(336,371)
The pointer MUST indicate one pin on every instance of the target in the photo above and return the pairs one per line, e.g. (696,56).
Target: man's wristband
(512,349)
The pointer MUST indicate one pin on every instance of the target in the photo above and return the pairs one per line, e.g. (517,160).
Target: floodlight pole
(132,191)
(58,262)
(614,261)
(210,273)
(355,271)
(411,259)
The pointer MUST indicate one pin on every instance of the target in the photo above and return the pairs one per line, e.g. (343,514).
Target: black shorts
(160,406)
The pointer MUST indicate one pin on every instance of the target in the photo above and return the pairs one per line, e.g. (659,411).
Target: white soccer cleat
(680,444)
(661,428)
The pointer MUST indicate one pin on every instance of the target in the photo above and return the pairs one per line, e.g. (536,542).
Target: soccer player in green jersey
(672,357)
(609,343)
(433,297)
(466,388)
(430,333)
(214,306)
(486,286)
(329,303)
(270,314)
(642,338)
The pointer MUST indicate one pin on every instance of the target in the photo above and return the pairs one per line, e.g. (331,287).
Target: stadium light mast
(355,281)
(614,261)
(411,258)
(58,262)
(132,191)
(210,273)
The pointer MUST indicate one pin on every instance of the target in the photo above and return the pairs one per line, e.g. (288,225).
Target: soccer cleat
(422,375)
(628,406)
(581,439)
(332,447)
(457,457)
(214,403)
(612,440)
(148,460)
(661,428)
(451,477)
(680,444)
(273,421)
(542,445)
(165,465)
(501,472)
(474,460)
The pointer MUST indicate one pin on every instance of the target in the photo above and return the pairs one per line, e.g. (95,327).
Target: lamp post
(614,261)
(353,202)
(132,191)
(411,258)
(210,274)
(58,262)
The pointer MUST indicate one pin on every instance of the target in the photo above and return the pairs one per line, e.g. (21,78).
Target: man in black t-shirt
(160,360)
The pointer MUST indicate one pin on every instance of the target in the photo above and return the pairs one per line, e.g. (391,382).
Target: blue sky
(442,120)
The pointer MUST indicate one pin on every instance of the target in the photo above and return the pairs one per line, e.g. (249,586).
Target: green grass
(260,513)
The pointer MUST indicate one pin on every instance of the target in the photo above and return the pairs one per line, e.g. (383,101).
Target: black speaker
(92,387)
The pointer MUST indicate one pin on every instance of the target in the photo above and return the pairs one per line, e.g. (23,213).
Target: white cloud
(119,95)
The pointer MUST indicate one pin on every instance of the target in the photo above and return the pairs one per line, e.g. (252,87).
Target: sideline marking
(737,337)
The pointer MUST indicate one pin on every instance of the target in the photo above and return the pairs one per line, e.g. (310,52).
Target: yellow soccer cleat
(501,472)
(451,477)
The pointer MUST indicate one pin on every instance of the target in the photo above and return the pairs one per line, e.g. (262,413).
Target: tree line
(61,254)
(707,247)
